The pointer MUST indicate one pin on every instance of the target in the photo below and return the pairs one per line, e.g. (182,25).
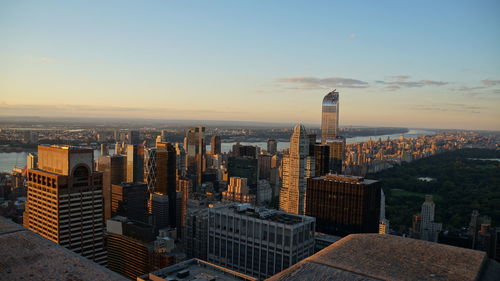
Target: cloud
(397,82)
(490,83)
(41,60)
(445,107)
(352,36)
(102,111)
(323,83)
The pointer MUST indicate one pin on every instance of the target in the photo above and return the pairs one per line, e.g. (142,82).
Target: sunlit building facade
(330,117)
(297,167)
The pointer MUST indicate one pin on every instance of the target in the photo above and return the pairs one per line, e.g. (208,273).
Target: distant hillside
(461,182)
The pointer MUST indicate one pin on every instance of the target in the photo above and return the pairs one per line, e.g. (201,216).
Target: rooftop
(346,178)
(259,212)
(195,269)
(388,257)
(27,256)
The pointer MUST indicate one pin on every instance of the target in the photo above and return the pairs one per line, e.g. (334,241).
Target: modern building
(245,150)
(344,205)
(337,150)
(257,241)
(195,269)
(114,170)
(297,167)
(265,166)
(194,145)
(133,137)
(272,146)
(135,163)
(129,247)
(129,200)
(161,178)
(215,145)
(321,154)
(330,117)
(244,167)
(65,201)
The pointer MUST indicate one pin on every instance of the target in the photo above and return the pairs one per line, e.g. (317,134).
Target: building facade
(65,202)
(297,167)
(330,117)
(257,241)
(344,205)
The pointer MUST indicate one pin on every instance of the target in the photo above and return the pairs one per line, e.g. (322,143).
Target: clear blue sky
(395,63)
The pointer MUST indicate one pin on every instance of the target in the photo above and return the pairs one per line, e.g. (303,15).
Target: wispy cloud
(352,36)
(323,83)
(102,111)
(41,60)
(454,107)
(490,83)
(397,82)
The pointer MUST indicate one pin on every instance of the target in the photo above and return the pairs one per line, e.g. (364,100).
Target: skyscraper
(272,146)
(297,166)
(133,137)
(330,117)
(129,200)
(429,229)
(135,163)
(344,205)
(215,145)
(161,177)
(114,170)
(65,200)
(337,150)
(194,144)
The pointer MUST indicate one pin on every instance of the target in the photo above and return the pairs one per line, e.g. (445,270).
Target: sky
(422,64)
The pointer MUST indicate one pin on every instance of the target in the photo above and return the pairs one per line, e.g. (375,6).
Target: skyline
(436,68)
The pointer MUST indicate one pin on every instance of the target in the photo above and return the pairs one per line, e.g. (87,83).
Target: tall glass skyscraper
(330,117)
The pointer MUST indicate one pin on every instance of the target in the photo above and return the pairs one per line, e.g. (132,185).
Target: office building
(129,200)
(194,145)
(135,163)
(344,205)
(337,150)
(215,145)
(237,191)
(257,241)
(114,171)
(244,167)
(65,202)
(297,167)
(265,166)
(330,117)
(161,178)
(321,154)
(264,192)
(129,247)
(245,150)
(272,146)
(133,137)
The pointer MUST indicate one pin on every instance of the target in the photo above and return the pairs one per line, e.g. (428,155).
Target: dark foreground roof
(25,255)
(388,257)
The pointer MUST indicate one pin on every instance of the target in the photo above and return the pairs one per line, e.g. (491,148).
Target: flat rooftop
(388,257)
(346,178)
(195,270)
(25,255)
(259,212)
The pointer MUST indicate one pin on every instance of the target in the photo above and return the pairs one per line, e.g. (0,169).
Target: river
(9,160)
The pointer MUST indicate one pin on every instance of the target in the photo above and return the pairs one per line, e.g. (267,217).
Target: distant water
(9,160)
